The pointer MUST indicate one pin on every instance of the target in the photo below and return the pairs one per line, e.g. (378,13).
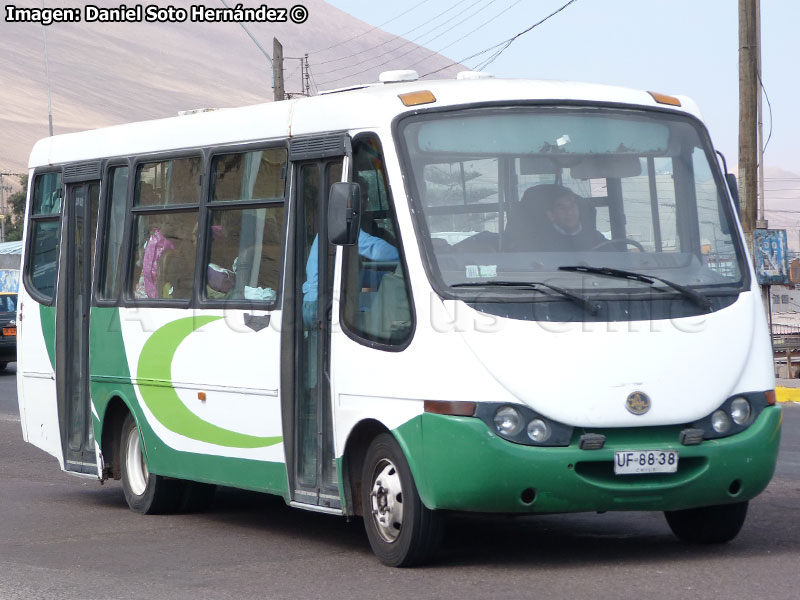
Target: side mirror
(344,213)
(733,186)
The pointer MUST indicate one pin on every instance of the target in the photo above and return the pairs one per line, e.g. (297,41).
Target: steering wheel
(620,241)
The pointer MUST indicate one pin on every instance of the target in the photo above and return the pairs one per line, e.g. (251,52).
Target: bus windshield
(526,194)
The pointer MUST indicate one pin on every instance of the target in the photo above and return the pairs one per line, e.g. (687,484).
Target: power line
(505,43)
(414,49)
(492,58)
(769,105)
(406,43)
(402,35)
(439,50)
(370,30)
(255,41)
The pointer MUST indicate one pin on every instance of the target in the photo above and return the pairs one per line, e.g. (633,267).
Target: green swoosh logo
(155,362)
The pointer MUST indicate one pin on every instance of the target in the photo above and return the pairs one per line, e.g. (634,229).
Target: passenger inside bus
(369,247)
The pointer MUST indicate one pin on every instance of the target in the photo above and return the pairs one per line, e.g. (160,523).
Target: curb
(785,394)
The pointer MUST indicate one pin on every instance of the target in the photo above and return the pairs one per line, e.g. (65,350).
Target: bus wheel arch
(110,439)
(355,450)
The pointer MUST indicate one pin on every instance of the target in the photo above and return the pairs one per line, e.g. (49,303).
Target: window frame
(206,208)
(351,333)
(27,278)
(102,231)
(127,299)
(420,228)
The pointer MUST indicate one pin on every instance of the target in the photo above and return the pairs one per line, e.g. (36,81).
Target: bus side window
(376,300)
(165,240)
(113,232)
(42,259)
(245,241)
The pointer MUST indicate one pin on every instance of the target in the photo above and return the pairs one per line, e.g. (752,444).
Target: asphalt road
(67,538)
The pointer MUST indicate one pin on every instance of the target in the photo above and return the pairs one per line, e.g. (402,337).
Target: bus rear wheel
(145,492)
(708,524)
(402,531)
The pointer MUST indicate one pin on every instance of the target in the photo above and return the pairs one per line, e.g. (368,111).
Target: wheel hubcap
(136,469)
(386,499)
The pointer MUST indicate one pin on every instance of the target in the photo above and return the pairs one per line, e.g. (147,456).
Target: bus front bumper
(466,467)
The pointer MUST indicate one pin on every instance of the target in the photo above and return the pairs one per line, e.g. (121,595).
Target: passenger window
(376,300)
(47,194)
(245,237)
(42,260)
(165,250)
(245,254)
(165,239)
(113,233)
(169,182)
(249,176)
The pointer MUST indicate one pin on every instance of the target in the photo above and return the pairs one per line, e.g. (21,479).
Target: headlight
(733,416)
(538,431)
(740,411)
(720,421)
(520,424)
(508,421)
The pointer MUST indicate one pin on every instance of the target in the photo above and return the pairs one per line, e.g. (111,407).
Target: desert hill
(109,73)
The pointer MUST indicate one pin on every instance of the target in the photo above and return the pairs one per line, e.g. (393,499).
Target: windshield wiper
(590,307)
(696,297)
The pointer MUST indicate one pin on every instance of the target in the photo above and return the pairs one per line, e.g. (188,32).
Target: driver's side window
(376,300)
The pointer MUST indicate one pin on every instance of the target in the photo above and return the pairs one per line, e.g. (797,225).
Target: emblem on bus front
(637,403)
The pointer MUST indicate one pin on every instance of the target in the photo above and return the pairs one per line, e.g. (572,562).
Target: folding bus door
(311,460)
(73,303)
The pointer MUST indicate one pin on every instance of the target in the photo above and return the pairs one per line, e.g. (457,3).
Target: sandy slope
(109,73)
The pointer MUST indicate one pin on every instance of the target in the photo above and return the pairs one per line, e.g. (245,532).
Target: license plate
(643,462)
(11,331)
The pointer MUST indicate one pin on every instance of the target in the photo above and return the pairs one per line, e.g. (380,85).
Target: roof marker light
(665,99)
(416,98)
(397,76)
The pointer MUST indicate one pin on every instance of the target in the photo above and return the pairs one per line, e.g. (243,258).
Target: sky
(687,47)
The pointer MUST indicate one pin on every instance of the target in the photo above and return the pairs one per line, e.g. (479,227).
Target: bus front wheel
(402,531)
(145,492)
(708,524)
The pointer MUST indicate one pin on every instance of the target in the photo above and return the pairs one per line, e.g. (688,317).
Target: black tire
(3,366)
(402,531)
(145,492)
(197,497)
(709,524)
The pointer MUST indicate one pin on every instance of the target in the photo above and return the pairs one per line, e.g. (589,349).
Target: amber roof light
(664,99)
(416,98)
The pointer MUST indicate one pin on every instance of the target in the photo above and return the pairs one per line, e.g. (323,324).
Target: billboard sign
(770,251)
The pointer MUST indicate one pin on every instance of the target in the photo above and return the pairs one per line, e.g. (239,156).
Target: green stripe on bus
(47,318)
(155,362)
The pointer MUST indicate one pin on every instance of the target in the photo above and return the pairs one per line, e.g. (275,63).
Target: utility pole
(748,108)
(761,221)
(47,77)
(277,69)
(306,76)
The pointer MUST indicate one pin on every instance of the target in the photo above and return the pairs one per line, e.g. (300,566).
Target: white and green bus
(402,300)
